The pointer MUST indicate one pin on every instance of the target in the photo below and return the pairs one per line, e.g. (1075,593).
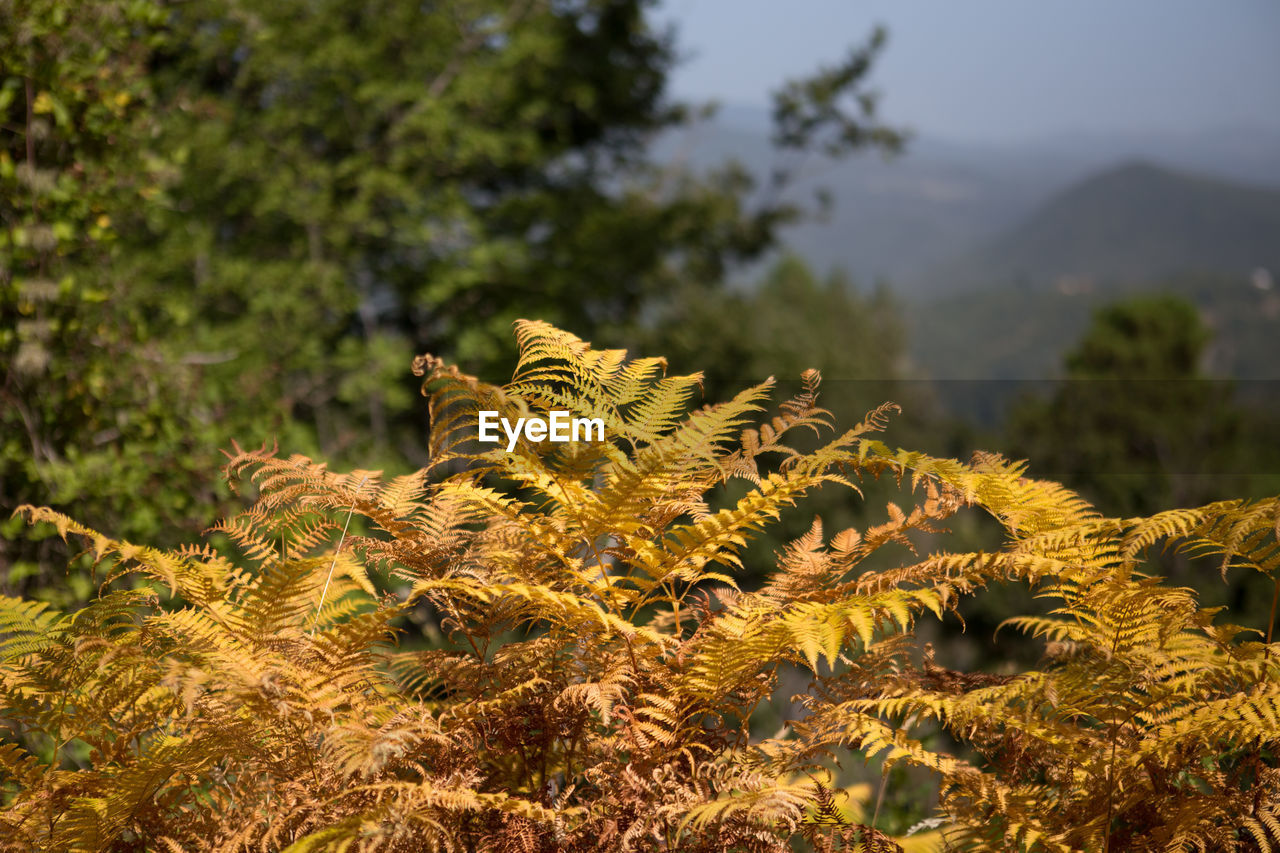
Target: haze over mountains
(949,216)
(1002,252)
(1134,222)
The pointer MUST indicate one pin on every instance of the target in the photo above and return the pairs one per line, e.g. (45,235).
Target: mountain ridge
(903,220)
(1135,221)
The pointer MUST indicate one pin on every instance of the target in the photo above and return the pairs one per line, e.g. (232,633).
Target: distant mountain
(891,219)
(1244,154)
(906,220)
(951,225)
(1131,223)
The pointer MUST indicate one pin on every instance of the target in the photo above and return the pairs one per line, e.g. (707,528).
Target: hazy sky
(1003,70)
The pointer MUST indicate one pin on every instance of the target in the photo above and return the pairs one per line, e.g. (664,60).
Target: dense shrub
(597,670)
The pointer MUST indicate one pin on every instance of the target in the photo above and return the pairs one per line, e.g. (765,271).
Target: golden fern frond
(587,674)
(26,627)
(1243,534)
(762,804)
(801,411)
(635,400)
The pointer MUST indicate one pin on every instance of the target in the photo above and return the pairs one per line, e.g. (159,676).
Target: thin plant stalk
(323,593)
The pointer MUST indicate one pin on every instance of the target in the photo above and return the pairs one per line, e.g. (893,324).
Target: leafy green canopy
(393,179)
(94,409)
(600,666)
(790,319)
(241,219)
(1137,424)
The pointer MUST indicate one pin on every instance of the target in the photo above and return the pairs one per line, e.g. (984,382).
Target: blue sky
(1003,70)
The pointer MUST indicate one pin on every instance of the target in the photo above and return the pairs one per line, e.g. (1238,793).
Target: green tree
(789,321)
(365,182)
(1136,424)
(229,220)
(95,413)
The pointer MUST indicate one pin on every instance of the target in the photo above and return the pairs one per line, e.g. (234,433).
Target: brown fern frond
(579,670)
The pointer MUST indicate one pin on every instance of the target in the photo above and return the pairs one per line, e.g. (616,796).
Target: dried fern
(600,666)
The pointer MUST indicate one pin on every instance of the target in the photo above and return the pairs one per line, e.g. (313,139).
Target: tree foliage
(600,667)
(95,406)
(789,319)
(1136,423)
(393,179)
(227,219)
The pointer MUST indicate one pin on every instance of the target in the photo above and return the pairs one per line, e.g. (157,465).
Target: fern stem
(1271,623)
(884,784)
(1111,790)
(351,509)
(604,568)
(306,749)
(675,612)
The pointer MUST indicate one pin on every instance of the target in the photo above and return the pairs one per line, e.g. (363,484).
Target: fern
(598,666)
